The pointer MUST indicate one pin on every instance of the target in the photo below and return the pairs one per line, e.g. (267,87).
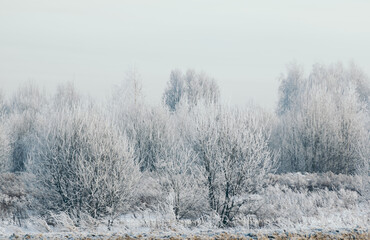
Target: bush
(83,164)
(302,199)
(232,147)
(14,201)
(318,181)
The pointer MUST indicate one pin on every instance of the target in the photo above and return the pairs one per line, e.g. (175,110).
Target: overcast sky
(244,45)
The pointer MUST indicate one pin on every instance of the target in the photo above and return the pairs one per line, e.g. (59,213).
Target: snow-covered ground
(334,205)
(148,224)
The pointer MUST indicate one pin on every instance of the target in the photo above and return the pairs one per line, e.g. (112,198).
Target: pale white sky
(244,45)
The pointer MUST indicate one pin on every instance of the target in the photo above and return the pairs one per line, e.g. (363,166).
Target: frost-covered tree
(326,127)
(151,134)
(4,138)
(232,146)
(24,107)
(290,87)
(145,125)
(4,148)
(362,83)
(147,128)
(134,85)
(193,88)
(83,164)
(27,98)
(3,106)
(158,138)
(180,173)
(183,180)
(201,88)
(130,91)
(175,90)
(66,96)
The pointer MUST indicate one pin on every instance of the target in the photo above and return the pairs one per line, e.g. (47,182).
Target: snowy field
(151,226)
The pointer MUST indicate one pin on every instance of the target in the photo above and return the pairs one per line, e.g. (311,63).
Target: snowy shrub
(14,202)
(232,147)
(317,181)
(294,198)
(182,180)
(84,164)
(150,195)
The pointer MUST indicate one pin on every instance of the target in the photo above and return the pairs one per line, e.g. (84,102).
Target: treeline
(191,155)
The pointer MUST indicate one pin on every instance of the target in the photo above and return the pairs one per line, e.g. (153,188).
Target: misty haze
(184,119)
